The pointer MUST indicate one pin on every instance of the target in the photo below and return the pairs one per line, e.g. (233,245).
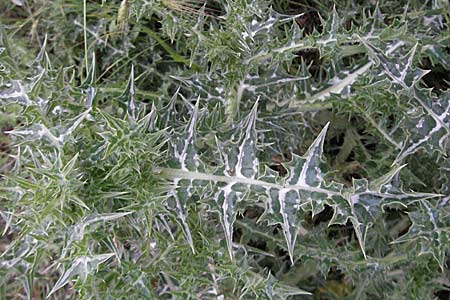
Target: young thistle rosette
(243,55)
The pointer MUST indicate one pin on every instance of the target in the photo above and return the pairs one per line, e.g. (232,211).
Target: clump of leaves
(224,150)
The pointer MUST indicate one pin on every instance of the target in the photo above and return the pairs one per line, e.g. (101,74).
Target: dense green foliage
(238,149)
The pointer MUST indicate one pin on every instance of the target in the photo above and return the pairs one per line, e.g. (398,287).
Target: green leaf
(428,123)
(429,232)
(82,267)
(304,189)
(128,99)
(244,165)
(187,159)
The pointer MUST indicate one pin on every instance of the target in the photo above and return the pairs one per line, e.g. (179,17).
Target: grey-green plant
(239,149)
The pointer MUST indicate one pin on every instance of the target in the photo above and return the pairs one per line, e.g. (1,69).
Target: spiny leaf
(400,70)
(244,166)
(381,182)
(129,104)
(429,123)
(430,127)
(187,159)
(78,231)
(339,82)
(40,131)
(304,189)
(90,78)
(363,207)
(429,231)
(275,290)
(81,266)
(15,93)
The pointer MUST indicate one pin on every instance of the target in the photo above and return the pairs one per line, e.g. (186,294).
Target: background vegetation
(237,149)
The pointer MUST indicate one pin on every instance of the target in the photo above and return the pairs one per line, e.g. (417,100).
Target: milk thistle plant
(239,149)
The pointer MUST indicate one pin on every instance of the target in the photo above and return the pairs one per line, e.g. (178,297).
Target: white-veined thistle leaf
(23,92)
(82,266)
(148,122)
(429,126)
(339,83)
(77,231)
(331,28)
(57,137)
(363,206)
(15,93)
(247,162)
(128,101)
(187,159)
(429,231)
(168,113)
(244,165)
(40,66)
(304,189)
(401,70)
(383,181)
